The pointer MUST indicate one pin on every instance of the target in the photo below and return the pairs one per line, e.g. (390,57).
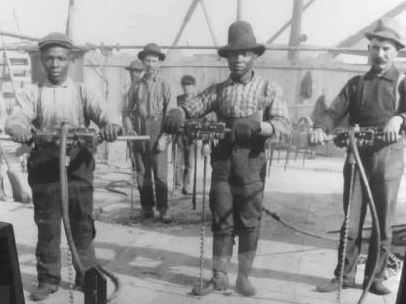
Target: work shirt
(181,100)
(370,100)
(230,99)
(151,98)
(48,105)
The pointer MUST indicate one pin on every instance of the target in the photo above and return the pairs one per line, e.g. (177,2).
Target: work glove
(110,132)
(173,120)
(246,130)
(20,134)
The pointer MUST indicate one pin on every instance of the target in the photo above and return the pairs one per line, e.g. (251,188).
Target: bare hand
(318,136)
(161,144)
(110,132)
(391,131)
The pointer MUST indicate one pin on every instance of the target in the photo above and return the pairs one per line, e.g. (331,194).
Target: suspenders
(39,118)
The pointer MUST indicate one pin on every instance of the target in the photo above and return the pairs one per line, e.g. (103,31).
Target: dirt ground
(159,263)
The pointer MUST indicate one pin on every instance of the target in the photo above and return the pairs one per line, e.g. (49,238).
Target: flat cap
(188,79)
(55,39)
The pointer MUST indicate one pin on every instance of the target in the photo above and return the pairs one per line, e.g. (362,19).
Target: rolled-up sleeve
(276,111)
(201,104)
(23,112)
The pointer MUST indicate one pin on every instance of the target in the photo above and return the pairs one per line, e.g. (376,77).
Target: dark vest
(374,101)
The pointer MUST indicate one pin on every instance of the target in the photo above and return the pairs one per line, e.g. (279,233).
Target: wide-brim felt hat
(151,48)
(135,65)
(55,39)
(390,29)
(241,37)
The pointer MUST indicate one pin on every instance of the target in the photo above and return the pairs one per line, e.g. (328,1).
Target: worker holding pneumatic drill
(42,107)
(376,99)
(238,160)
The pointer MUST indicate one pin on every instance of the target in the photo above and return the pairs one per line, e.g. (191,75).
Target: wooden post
(208,21)
(295,30)
(188,15)
(239,9)
(287,24)
(70,21)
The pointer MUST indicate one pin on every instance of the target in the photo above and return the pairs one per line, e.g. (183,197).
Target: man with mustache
(45,106)
(375,99)
(147,107)
(254,109)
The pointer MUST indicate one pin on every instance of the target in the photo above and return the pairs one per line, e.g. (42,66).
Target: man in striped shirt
(254,109)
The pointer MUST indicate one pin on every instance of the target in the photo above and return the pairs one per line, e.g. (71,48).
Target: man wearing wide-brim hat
(376,99)
(147,107)
(254,108)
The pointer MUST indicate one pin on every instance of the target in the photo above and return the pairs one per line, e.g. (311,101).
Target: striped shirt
(47,106)
(231,99)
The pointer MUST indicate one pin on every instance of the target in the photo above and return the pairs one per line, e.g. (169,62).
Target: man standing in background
(185,156)
(147,107)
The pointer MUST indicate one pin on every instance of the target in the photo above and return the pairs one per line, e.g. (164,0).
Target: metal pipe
(119,138)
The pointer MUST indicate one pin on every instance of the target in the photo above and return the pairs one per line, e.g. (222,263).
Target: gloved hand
(246,130)
(110,132)
(173,120)
(20,134)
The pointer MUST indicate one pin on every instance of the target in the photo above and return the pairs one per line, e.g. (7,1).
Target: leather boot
(222,252)
(43,291)
(247,247)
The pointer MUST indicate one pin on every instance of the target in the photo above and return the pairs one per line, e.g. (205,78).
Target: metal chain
(70,276)
(202,227)
(344,236)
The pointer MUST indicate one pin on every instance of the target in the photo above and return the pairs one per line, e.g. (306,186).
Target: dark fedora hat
(55,39)
(135,65)
(187,80)
(241,37)
(388,28)
(151,48)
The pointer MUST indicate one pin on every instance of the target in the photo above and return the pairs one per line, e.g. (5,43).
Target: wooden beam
(353,39)
(208,21)
(186,20)
(296,27)
(287,24)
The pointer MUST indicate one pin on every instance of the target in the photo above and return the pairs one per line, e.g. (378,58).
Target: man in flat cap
(254,109)
(147,107)
(45,106)
(375,99)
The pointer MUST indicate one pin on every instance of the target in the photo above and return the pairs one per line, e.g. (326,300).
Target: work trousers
(43,176)
(237,187)
(151,164)
(184,164)
(384,168)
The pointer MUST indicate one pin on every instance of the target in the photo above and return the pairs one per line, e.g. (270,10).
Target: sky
(326,22)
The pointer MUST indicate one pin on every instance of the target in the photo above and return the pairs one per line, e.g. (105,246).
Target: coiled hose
(63,161)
